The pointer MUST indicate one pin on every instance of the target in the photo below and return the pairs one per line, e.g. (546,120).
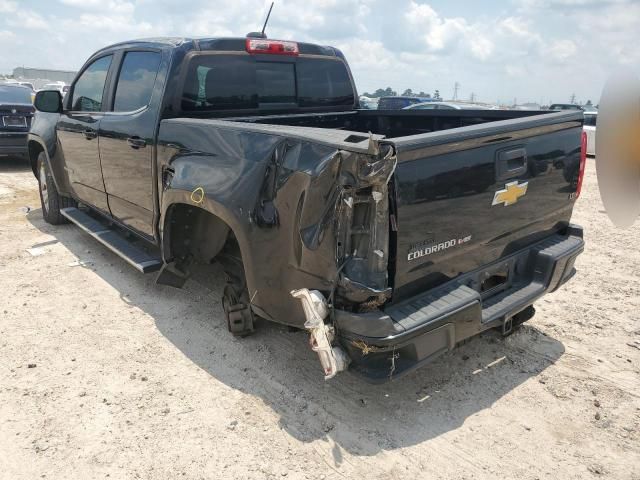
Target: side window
(136,80)
(88,90)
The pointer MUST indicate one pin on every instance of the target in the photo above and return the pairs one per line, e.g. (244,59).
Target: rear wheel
(50,199)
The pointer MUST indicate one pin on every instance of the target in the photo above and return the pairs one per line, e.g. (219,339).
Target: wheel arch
(188,227)
(35,148)
(219,221)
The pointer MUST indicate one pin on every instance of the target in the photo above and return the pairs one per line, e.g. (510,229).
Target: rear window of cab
(247,82)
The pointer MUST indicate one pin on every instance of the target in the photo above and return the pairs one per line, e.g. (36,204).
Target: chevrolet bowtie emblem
(511,193)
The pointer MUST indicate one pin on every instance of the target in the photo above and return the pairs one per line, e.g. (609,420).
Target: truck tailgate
(469,196)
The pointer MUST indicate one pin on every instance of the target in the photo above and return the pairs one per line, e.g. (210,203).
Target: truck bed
(401,123)
(448,169)
(450,164)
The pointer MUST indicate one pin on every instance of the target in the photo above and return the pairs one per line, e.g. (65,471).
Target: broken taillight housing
(273,47)
(583,163)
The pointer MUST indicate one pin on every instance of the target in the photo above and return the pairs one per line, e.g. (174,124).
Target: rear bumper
(13,144)
(385,345)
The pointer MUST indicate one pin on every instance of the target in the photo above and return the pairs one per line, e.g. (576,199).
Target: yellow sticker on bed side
(197,196)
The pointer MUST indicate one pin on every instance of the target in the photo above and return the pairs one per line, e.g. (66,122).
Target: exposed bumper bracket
(332,358)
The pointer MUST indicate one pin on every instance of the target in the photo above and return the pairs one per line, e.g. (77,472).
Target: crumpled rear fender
(280,196)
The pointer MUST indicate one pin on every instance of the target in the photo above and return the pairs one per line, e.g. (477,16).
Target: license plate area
(493,282)
(496,278)
(14,121)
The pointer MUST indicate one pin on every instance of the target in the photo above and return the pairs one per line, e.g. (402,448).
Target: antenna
(267,19)
(262,34)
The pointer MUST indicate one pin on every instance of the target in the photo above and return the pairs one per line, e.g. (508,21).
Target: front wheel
(50,199)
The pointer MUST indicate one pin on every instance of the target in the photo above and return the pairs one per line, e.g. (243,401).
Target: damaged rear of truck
(390,251)
(390,235)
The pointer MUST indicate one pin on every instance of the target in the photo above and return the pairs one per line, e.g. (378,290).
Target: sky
(498,51)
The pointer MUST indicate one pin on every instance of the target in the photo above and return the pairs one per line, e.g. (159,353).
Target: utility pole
(456,87)
(573,98)
(472,97)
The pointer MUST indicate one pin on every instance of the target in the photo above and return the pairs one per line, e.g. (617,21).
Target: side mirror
(49,101)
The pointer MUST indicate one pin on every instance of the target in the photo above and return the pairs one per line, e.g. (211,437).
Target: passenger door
(77,132)
(127,139)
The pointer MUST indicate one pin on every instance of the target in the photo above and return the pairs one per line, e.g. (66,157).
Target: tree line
(389,92)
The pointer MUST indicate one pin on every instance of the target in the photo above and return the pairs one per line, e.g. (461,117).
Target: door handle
(511,163)
(90,134)
(136,142)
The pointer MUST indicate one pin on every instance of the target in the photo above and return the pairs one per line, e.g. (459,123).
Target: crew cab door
(77,131)
(127,136)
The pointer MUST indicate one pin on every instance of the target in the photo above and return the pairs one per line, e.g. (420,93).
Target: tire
(50,200)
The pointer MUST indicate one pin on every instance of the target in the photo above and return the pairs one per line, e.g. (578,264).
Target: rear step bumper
(385,345)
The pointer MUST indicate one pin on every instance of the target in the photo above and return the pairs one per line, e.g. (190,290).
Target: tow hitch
(507,327)
(510,324)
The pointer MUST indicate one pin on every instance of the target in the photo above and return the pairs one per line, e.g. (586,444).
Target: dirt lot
(105,374)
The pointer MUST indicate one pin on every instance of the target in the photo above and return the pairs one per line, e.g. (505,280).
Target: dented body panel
(285,198)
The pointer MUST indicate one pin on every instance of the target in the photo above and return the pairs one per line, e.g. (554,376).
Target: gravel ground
(105,374)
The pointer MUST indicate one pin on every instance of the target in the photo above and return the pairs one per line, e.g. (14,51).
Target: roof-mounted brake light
(273,47)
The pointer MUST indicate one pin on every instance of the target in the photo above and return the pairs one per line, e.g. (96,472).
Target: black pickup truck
(390,235)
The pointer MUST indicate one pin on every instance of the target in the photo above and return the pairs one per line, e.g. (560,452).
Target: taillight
(273,47)
(583,162)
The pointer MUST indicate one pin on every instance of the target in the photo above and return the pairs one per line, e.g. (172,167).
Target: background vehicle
(391,234)
(28,85)
(565,106)
(62,87)
(367,103)
(398,103)
(445,106)
(590,120)
(16,112)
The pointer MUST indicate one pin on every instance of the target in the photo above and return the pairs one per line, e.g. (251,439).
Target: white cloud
(6,35)
(562,50)
(544,4)
(515,70)
(8,6)
(481,47)
(103,6)
(27,19)
(519,28)
(368,54)
(120,24)
(438,33)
